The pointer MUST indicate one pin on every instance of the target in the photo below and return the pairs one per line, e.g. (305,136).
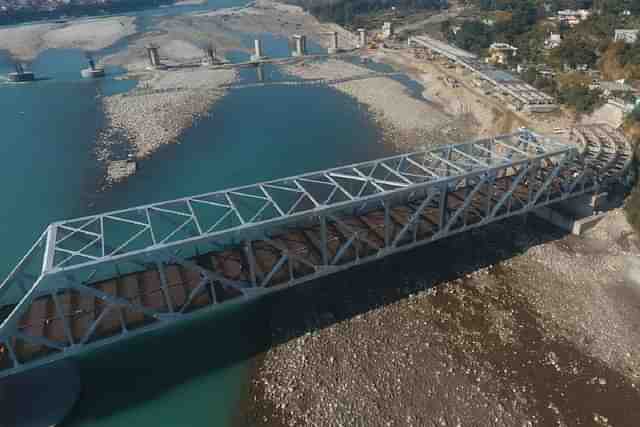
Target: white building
(573,17)
(554,40)
(627,36)
(387,30)
(610,88)
(500,52)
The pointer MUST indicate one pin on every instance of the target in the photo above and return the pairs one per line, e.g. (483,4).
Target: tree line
(344,12)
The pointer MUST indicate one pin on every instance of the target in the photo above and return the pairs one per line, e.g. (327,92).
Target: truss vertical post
(531,178)
(387,224)
(443,205)
(467,195)
(60,313)
(12,353)
(164,285)
(324,240)
(251,260)
(491,182)
(49,249)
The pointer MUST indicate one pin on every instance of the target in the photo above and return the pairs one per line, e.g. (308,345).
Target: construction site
(520,95)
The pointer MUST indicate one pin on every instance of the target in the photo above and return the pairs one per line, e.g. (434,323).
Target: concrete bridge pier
(362,43)
(301,45)
(578,214)
(334,43)
(257,56)
(41,397)
(260,73)
(154,56)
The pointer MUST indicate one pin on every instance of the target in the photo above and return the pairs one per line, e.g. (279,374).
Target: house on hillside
(387,30)
(545,71)
(618,94)
(615,88)
(627,36)
(573,17)
(499,53)
(554,40)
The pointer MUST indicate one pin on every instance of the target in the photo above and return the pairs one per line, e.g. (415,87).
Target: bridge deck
(67,318)
(516,88)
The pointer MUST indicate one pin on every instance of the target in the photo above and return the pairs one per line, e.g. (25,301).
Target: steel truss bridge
(95,280)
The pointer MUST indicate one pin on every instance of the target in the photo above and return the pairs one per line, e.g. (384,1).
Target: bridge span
(524,95)
(95,280)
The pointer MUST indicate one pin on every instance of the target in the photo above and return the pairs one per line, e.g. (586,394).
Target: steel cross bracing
(98,279)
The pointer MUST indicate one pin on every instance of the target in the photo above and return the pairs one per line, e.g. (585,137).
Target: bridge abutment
(581,213)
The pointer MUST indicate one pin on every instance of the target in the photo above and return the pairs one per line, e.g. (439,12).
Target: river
(193,374)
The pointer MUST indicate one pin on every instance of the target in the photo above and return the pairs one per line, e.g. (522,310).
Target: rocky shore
(407,120)
(161,106)
(505,332)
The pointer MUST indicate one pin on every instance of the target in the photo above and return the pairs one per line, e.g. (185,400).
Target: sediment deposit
(407,119)
(160,108)
(25,42)
(510,325)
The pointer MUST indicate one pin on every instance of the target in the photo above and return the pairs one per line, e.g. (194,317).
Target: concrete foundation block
(573,225)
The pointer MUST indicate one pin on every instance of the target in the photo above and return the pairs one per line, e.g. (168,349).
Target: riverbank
(166,102)
(160,108)
(279,19)
(519,326)
(408,121)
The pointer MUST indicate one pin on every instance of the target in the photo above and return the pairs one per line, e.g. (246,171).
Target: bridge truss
(91,281)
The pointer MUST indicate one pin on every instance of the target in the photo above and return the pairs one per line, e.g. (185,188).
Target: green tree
(474,36)
(583,99)
(575,51)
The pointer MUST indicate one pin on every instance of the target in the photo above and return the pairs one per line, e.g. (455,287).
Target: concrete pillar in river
(154,56)
(334,42)
(362,44)
(257,56)
(301,45)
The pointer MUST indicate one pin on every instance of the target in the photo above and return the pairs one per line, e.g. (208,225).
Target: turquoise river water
(193,374)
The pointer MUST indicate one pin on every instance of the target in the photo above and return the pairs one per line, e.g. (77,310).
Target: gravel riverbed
(160,108)
(407,120)
(495,327)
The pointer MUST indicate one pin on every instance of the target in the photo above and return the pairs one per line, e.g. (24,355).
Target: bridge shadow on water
(125,375)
